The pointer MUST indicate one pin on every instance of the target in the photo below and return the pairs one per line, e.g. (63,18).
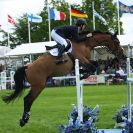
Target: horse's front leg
(91,66)
(88,68)
(28,100)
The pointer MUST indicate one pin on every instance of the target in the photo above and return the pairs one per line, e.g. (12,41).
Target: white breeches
(58,38)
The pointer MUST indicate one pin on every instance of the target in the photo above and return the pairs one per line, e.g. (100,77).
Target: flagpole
(94,27)
(70,14)
(94,52)
(29,32)
(30,56)
(8,36)
(8,39)
(49,21)
(118,15)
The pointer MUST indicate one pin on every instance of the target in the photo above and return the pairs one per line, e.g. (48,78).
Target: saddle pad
(54,51)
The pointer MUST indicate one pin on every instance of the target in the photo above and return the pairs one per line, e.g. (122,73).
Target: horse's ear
(116,33)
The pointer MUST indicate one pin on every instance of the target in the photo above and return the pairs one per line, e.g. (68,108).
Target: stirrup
(68,45)
(61,50)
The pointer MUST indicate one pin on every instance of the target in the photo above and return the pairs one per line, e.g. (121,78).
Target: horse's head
(82,51)
(116,48)
(110,41)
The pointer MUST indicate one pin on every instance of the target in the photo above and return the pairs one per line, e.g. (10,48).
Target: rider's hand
(89,35)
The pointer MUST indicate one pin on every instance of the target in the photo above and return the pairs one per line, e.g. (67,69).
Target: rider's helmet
(80,22)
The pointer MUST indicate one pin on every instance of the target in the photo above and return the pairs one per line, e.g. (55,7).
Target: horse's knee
(36,90)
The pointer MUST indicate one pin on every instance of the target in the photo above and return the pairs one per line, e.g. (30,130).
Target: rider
(62,33)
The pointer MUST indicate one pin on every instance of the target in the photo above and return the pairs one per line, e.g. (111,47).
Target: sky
(16,8)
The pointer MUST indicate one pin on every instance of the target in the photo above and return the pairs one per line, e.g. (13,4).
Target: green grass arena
(52,107)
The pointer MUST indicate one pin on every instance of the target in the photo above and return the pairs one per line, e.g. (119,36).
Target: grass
(52,107)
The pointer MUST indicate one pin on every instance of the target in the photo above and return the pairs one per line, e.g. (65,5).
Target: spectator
(120,71)
(118,79)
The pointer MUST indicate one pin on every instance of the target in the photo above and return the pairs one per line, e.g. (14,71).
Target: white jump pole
(79,87)
(129,90)
(129,81)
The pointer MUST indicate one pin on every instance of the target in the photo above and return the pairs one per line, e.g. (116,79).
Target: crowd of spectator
(111,66)
(115,69)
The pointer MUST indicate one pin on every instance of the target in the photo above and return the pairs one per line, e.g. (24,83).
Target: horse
(38,72)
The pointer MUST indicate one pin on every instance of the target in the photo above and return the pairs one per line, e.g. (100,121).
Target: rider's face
(82,27)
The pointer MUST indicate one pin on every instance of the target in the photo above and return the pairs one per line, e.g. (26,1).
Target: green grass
(52,107)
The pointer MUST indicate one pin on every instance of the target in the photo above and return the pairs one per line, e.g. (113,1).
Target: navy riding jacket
(69,32)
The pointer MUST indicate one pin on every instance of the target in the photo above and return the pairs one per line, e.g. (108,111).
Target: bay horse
(44,67)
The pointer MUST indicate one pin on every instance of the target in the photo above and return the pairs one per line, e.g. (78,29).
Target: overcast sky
(16,8)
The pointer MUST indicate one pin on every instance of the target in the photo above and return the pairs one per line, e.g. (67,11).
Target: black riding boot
(61,50)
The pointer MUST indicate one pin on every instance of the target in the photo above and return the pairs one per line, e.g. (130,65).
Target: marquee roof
(4,50)
(29,48)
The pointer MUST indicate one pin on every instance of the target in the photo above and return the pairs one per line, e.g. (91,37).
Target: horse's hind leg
(28,100)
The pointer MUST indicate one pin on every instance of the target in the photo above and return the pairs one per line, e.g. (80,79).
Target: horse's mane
(100,32)
(95,32)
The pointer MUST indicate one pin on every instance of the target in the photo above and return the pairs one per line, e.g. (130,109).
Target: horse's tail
(19,78)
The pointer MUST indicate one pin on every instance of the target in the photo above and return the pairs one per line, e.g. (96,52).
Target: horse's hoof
(22,123)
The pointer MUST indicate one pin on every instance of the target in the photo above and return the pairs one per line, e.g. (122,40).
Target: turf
(52,107)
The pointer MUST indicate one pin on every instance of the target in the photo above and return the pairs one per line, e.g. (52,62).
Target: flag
(125,9)
(99,16)
(34,18)
(11,20)
(57,15)
(78,13)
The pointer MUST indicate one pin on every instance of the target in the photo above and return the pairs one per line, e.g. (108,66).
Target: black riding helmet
(80,22)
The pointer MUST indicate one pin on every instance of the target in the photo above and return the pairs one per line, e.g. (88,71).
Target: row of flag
(54,14)
(59,15)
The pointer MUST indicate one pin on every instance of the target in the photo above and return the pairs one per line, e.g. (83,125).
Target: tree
(107,9)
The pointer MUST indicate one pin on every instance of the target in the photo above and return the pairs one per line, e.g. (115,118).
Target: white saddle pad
(55,52)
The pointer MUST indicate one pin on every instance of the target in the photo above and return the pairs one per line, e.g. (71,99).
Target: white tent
(30,48)
(125,39)
(4,50)
(39,47)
